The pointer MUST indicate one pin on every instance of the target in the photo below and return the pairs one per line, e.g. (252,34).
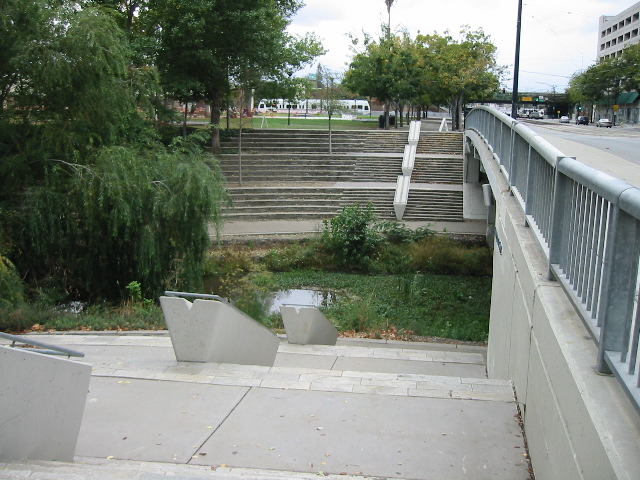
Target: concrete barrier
(414,132)
(579,425)
(306,325)
(213,331)
(409,159)
(401,196)
(42,401)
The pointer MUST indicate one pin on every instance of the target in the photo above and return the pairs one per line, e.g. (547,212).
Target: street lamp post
(516,65)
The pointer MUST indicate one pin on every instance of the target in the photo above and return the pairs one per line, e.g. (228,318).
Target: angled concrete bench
(409,159)
(306,325)
(42,400)
(216,331)
(414,132)
(401,196)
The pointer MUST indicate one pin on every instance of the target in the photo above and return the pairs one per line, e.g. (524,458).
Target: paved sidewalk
(305,228)
(360,409)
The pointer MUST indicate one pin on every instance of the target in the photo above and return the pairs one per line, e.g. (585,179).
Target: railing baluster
(589,224)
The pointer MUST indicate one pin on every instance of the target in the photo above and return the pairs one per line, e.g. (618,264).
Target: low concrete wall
(307,326)
(212,331)
(42,401)
(579,425)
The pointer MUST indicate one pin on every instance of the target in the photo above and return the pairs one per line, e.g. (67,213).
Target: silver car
(604,122)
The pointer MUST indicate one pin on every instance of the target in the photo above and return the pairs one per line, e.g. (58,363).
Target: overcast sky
(559,37)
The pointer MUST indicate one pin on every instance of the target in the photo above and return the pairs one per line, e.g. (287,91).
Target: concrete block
(409,159)
(213,331)
(414,132)
(401,196)
(307,325)
(42,400)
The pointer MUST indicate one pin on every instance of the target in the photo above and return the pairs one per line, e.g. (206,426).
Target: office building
(618,31)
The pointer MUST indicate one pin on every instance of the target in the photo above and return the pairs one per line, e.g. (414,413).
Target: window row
(622,38)
(622,23)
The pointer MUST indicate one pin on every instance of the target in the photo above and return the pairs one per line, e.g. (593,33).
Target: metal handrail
(45,348)
(206,296)
(588,225)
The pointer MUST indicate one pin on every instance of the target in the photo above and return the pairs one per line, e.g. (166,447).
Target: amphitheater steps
(290,174)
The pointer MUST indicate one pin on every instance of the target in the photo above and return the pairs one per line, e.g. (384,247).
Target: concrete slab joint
(212,331)
(306,325)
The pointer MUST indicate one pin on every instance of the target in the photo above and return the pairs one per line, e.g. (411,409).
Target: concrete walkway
(360,409)
(287,228)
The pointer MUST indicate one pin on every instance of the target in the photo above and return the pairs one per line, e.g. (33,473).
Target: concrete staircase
(359,409)
(290,174)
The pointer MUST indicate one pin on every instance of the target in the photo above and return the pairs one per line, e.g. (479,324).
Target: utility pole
(516,65)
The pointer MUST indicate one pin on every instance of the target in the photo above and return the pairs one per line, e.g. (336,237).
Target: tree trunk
(184,123)
(216,102)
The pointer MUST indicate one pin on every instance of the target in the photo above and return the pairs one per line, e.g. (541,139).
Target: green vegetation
(411,283)
(103,204)
(603,83)
(428,70)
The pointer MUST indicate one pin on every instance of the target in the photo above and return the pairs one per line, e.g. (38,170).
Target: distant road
(623,142)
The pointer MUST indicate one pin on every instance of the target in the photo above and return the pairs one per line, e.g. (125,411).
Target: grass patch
(297,123)
(430,305)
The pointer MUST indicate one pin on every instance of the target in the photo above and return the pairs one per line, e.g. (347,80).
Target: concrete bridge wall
(579,425)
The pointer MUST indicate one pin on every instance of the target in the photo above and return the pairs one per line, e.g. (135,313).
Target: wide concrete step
(359,409)
(85,468)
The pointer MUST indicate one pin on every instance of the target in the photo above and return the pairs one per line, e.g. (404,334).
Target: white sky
(559,37)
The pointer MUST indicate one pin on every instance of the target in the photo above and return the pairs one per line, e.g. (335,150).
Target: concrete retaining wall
(42,401)
(579,425)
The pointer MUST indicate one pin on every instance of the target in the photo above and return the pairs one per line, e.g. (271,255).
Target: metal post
(516,65)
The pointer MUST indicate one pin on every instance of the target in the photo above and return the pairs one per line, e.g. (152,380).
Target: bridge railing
(588,225)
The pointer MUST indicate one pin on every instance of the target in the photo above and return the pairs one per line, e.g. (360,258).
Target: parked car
(604,122)
(564,119)
(582,120)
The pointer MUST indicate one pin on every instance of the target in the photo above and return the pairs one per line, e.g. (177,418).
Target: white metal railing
(588,225)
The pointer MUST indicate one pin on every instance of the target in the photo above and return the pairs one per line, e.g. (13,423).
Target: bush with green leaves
(351,237)
(11,286)
(130,213)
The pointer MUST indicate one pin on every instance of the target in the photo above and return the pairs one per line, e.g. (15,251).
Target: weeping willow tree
(89,199)
(131,215)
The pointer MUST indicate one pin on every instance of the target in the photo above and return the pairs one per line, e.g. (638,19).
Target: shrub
(397,232)
(11,287)
(303,255)
(442,255)
(351,238)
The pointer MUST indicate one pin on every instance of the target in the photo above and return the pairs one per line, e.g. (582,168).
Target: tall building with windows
(618,31)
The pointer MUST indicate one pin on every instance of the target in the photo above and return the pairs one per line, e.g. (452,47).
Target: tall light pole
(516,65)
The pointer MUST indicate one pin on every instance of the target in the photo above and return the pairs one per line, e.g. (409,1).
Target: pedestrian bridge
(564,315)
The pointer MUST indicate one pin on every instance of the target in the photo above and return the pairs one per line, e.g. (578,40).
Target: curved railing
(587,223)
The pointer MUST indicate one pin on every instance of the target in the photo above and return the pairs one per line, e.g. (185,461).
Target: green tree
(459,71)
(213,44)
(89,200)
(371,71)
(133,214)
(600,84)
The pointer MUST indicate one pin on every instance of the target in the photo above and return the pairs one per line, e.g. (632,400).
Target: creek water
(315,298)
